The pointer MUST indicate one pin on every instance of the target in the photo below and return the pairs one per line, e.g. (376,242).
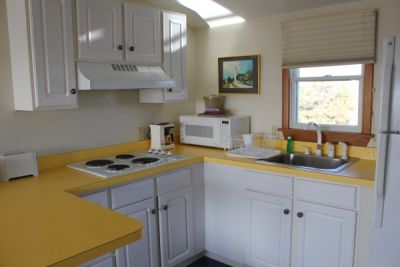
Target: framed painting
(239,75)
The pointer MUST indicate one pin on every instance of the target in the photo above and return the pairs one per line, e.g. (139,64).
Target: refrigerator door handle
(380,172)
(390,132)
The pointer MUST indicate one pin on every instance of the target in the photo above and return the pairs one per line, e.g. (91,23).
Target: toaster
(17,164)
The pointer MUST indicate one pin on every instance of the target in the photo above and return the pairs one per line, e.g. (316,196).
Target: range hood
(104,76)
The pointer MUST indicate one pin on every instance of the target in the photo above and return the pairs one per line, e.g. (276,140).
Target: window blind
(331,39)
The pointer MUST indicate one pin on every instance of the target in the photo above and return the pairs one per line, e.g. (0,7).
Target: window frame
(294,77)
(351,138)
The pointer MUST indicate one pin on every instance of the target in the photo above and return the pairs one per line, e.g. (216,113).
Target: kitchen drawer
(107,260)
(269,183)
(131,193)
(100,198)
(173,181)
(324,193)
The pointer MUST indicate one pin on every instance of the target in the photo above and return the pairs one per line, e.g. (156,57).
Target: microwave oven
(212,131)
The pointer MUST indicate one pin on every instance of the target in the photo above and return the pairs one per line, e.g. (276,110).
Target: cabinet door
(225,211)
(269,224)
(142,252)
(142,33)
(325,236)
(52,52)
(100,35)
(176,226)
(107,260)
(174,38)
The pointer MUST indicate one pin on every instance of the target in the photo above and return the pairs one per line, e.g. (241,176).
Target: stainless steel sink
(308,162)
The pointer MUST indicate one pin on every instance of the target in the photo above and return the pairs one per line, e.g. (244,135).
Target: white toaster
(18,164)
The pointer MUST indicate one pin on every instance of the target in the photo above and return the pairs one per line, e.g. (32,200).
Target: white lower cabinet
(176,219)
(143,252)
(170,230)
(241,217)
(324,236)
(256,218)
(225,212)
(107,260)
(269,224)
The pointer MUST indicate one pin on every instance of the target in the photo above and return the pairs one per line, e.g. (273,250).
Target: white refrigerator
(385,236)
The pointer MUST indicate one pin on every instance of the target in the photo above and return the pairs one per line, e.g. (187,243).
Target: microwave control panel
(225,133)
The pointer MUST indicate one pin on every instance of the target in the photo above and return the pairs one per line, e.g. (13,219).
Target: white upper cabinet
(112,30)
(142,33)
(175,49)
(175,41)
(42,56)
(100,30)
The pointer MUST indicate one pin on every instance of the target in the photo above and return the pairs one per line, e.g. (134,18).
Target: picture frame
(239,75)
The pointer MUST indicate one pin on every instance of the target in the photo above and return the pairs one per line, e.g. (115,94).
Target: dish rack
(253,146)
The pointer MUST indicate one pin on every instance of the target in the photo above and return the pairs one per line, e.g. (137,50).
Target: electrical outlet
(142,133)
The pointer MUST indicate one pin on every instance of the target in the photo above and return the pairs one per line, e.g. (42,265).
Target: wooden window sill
(352,139)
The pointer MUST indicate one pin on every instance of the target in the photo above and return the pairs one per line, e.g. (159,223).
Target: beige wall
(112,117)
(103,118)
(263,36)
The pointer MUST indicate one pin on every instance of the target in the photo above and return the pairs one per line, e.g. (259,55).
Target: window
(331,96)
(337,97)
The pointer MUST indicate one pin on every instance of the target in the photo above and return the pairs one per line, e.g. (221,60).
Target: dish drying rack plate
(253,146)
(253,153)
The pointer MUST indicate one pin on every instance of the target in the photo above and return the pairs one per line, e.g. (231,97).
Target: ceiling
(248,8)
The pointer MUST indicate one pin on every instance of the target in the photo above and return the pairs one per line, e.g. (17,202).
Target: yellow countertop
(44,224)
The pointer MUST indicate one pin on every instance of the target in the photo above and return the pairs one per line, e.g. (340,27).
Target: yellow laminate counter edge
(43,224)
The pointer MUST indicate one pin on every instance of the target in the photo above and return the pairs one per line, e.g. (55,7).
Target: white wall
(103,118)
(263,36)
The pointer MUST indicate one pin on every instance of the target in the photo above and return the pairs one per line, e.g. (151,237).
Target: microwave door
(203,133)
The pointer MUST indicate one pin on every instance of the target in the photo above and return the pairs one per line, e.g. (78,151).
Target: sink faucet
(319,136)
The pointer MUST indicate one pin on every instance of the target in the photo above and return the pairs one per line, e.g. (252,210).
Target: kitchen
(106,118)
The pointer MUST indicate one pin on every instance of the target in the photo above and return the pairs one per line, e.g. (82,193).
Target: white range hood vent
(104,76)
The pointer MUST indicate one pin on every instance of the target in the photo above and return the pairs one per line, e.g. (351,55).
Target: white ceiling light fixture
(225,21)
(213,13)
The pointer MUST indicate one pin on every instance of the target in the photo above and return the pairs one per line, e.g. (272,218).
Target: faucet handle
(331,149)
(344,148)
(319,150)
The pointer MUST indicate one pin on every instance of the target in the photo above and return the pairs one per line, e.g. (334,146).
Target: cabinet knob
(153,211)
(300,214)
(286,211)
(170,90)
(73,91)
(132,48)
(164,207)
(120,47)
